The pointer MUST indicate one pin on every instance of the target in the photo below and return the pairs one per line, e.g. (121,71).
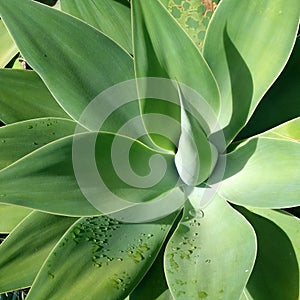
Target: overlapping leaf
(211,253)
(73,79)
(100,257)
(109,16)
(26,248)
(24,96)
(264,171)
(246,57)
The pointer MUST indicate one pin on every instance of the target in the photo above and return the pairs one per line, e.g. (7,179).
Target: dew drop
(29,126)
(199,214)
(246,270)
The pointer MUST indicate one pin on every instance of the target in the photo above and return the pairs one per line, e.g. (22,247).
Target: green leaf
(236,54)
(24,96)
(196,156)
(43,179)
(112,17)
(22,138)
(114,255)
(8,49)
(281,102)
(154,285)
(23,252)
(276,271)
(11,216)
(182,61)
(263,172)
(75,74)
(211,253)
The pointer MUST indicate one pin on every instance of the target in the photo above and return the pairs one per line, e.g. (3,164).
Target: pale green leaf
(11,216)
(280,103)
(154,285)
(76,61)
(112,17)
(263,172)
(276,271)
(211,254)
(8,49)
(163,49)
(196,156)
(246,46)
(101,258)
(24,96)
(45,179)
(19,139)
(23,252)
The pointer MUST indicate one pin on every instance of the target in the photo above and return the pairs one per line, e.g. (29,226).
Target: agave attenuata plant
(224,152)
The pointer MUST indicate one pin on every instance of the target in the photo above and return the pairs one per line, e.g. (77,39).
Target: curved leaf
(252,52)
(11,216)
(25,249)
(24,96)
(112,17)
(76,73)
(194,258)
(196,156)
(45,179)
(281,102)
(8,49)
(263,172)
(276,271)
(22,138)
(163,49)
(101,257)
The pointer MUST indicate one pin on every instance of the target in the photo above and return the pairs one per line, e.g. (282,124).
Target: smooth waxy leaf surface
(211,253)
(244,66)
(24,96)
(100,256)
(281,102)
(11,216)
(278,234)
(112,17)
(154,285)
(8,48)
(196,156)
(264,171)
(181,62)
(74,74)
(24,251)
(43,180)
(22,138)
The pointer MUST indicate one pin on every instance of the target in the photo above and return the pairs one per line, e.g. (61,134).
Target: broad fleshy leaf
(43,179)
(154,285)
(281,102)
(24,96)
(264,171)
(101,257)
(112,17)
(75,74)
(23,252)
(22,138)
(246,57)
(211,253)
(196,156)
(181,62)
(276,271)
(11,216)
(8,48)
